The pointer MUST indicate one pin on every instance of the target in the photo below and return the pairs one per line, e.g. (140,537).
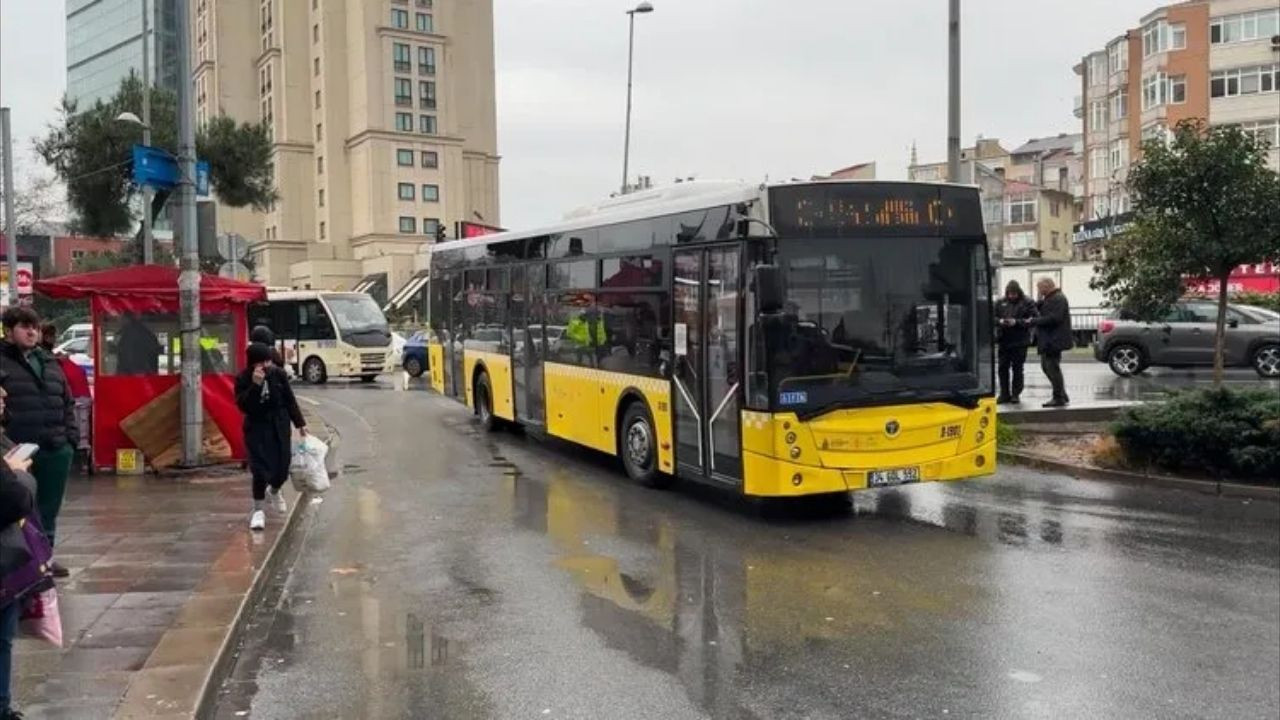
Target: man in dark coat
(1053,337)
(41,411)
(264,396)
(1013,338)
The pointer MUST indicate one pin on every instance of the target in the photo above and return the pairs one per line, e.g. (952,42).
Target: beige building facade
(382,115)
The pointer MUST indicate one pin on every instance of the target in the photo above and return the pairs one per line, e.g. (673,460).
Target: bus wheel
(639,447)
(484,403)
(314,372)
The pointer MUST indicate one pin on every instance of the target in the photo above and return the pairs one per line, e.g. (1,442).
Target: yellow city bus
(779,340)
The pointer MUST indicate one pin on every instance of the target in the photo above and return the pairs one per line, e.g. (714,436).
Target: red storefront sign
(1259,278)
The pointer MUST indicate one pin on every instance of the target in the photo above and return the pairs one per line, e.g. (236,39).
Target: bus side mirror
(770,292)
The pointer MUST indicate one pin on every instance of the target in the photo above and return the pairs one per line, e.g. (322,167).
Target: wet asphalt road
(453,574)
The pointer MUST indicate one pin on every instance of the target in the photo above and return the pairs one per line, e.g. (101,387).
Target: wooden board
(156,430)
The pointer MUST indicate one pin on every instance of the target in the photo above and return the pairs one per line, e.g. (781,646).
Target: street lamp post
(148,248)
(644,7)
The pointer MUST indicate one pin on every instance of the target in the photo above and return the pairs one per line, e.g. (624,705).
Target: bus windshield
(356,313)
(878,320)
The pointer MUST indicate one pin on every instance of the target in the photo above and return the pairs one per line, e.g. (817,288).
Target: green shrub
(1221,432)
(1269,300)
(1007,435)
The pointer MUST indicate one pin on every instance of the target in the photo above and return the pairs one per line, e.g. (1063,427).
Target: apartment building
(383,123)
(1029,205)
(1212,59)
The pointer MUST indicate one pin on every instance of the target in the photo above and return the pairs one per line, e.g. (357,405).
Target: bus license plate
(896,476)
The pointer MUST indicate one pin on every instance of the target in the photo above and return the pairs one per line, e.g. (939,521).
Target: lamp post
(643,7)
(148,245)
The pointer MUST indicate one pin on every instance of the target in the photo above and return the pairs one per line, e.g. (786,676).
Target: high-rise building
(1213,59)
(383,122)
(104,44)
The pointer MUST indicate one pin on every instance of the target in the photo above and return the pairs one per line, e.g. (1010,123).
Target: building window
(1154,89)
(404,191)
(320,164)
(1098,163)
(1265,131)
(1160,36)
(1244,81)
(1118,56)
(426,61)
(320,197)
(1054,208)
(1097,114)
(1053,240)
(1023,240)
(1101,207)
(1118,151)
(404,92)
(430,226)
(408,225)
(315,33)
(1243,27)
(431,193)
(1022,208)
(1120,105)
(315,66)
(430,159)
(1155,131)
(1098,69)
(404,158)
(404,122)
(1178,89)
(403,61)
(317,99)
(424,22)
(427,124)
(423,4)
(399,19)
(319,132)
(427,94)
(322,230)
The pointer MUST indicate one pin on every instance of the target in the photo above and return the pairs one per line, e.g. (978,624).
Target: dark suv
(1185,337)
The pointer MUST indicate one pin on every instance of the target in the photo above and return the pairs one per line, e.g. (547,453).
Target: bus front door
(707,302)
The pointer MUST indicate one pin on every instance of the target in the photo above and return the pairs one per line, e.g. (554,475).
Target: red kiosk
(136,358)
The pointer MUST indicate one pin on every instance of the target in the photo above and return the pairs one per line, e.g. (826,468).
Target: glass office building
(104,44)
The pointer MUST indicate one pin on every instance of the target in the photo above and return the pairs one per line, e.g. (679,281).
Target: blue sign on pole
(154,166)
(202,178)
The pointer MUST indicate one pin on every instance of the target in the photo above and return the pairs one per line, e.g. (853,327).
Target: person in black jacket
(1053,337)
(264,396)
(16,502)
(1013,338)
(41,412)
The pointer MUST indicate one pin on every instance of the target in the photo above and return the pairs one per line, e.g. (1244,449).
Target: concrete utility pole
(148,246)
(953,94)
(10,227)
(189,280)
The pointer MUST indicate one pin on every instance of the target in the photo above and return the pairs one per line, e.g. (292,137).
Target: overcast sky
(724,89)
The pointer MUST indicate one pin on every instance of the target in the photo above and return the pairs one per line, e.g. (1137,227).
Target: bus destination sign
(874,209)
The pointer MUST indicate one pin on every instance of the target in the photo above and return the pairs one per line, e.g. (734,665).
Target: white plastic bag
(307,470)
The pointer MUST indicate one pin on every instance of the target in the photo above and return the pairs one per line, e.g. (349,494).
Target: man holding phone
(41,412)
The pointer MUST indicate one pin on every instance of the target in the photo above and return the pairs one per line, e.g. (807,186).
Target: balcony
(1078,108)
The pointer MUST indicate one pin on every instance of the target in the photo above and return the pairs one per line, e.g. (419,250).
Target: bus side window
(313,322)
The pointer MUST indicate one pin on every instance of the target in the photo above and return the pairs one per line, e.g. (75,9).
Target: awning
(409,291)
(368,282)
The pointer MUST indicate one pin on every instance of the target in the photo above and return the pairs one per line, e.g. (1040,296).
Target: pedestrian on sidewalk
(262,334)
(266,399)
(17,500)
(41,412)
(1053,337)
(1013,338)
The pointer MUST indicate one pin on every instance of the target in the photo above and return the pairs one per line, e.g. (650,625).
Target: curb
(1084,472)
(1061,415)
(222,662)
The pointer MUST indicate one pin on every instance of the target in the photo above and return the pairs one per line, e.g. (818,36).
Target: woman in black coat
(264,396)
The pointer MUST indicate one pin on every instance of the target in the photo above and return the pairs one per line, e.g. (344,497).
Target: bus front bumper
(765,476)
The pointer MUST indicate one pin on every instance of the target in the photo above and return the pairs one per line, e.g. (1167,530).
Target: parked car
(1185,338)
(77,330)
(415,354)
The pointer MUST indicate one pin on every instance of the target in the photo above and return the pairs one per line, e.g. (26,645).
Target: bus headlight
(980,437)
(795,453)
(797,479)
(791,438)
(984,422)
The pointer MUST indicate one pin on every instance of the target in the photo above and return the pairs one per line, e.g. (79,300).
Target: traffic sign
(154,166)
(202,178)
